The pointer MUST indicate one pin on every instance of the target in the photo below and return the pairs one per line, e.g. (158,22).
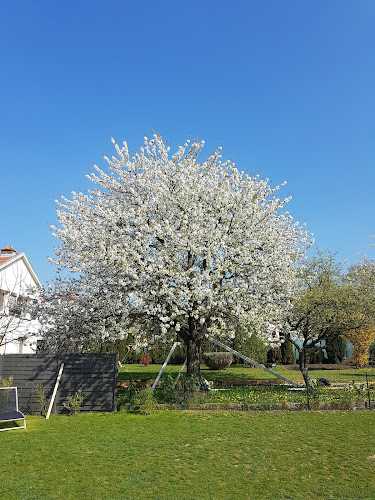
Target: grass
(182,455)
(234,372)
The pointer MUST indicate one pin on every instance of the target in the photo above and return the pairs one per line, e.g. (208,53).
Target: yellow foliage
(361,339)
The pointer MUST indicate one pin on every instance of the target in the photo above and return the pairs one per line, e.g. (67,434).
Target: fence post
(115,377)
(368,393)
(130,392)
(243,392)
(184,392)
(308,396)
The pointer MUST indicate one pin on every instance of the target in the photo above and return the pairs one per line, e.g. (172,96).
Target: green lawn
(234,372)
(181,455)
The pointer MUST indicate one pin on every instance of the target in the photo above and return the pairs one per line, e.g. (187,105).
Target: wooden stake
(55,390)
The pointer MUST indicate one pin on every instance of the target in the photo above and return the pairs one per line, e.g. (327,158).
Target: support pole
(252,362)
(164,365)
(55,390)
(179,373)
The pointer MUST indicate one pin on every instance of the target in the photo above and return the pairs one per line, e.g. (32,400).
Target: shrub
(287,353)
(192,385)
(41,399)
(335,348)
(6,382)
(74,403)
(168,390)
(274,355)
(144,401)
(316,355)
(123,398)
(218,360)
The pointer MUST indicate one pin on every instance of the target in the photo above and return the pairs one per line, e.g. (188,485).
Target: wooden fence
(95,374)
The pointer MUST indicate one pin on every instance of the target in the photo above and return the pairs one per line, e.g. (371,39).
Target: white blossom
(192,246)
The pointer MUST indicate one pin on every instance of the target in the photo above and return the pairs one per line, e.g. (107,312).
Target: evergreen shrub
(218,360)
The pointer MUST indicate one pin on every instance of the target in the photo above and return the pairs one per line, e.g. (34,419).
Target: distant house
(18,283)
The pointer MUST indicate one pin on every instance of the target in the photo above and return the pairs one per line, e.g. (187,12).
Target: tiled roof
(4,259)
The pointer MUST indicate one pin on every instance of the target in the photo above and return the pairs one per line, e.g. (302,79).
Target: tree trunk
(193,348)
(193,337)
(304,365)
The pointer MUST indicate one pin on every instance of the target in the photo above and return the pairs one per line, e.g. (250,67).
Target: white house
(18,282)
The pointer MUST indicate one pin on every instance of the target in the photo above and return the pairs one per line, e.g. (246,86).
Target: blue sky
(286,87)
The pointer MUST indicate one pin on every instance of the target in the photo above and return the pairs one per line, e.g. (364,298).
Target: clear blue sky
(286,87)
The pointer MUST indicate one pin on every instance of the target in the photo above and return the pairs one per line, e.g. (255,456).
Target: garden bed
(254,397)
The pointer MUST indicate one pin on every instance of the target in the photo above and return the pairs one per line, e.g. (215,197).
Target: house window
(17,306)
(12,305)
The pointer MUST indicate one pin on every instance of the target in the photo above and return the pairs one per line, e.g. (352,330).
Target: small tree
(325,307)
(180,247)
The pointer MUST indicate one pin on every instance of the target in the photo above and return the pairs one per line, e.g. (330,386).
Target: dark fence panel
(95,374)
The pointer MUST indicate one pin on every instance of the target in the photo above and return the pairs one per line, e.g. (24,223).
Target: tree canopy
(329,304)
(181,245)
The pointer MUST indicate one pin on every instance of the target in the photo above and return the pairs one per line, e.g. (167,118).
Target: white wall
(16,281)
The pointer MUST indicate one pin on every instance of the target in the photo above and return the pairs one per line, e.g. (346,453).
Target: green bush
(287,354)
(168,391)
(144,401)
(191,385)
(41,399)
(218,360)
(73,403)
(335,348)
(274,355)
(317,356)
(6,382)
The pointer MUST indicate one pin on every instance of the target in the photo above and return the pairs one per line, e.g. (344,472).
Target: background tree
(335,347)
(287,353)
(327,307)
(252,346)
(181,246)
(361,338)
(362,277)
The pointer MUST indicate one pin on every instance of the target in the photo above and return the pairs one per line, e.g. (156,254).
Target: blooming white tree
(184,247)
